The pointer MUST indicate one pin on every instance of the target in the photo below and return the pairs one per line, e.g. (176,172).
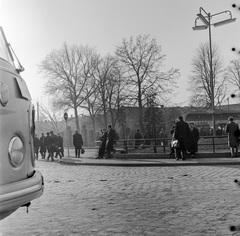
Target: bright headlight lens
(16,151)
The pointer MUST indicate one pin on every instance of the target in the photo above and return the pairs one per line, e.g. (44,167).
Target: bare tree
(233,74)
(142,60)
(200,81)
(70,72)
(49,113)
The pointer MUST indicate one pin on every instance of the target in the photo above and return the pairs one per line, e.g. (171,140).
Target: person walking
(231,129)
(181,134)
(55,143)
(36,143)
(77,143)
(138,138)
(42,146)
(193,140)
(110,140)
(48,142)
(102,147)
(59,150)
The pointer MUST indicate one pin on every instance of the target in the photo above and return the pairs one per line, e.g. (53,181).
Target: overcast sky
(36,27)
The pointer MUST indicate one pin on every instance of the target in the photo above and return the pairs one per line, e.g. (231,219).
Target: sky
(35,27)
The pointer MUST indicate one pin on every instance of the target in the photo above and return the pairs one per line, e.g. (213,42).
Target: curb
(148,162)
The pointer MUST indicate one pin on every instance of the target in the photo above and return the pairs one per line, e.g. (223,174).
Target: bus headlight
(16,151)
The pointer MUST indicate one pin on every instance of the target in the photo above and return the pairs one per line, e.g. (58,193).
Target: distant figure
(110,140)
(77,142)
(193,140)
(48,142)
(172,151)
(219,131)
(102,146)
(36,144)
(42,146)
(55,142)
(181,133)
(138,138)
(60,151)
(231,129)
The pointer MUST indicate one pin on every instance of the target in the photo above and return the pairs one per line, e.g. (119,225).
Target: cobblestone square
(105,200)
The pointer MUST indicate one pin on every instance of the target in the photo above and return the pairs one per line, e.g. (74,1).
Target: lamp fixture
(224,22)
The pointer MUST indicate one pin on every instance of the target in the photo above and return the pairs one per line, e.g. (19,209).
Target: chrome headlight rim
(16,151)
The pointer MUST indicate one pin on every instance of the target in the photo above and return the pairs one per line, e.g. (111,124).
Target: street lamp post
(207,24)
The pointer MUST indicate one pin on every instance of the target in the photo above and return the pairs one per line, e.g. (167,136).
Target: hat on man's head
(230,118)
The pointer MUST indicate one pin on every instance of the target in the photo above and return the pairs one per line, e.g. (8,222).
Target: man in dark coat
(193,140)
(42,146)
(48,141)
(138,138)
(59,151)
(102,147)
(181,133)
(77,142)
(110,140)
(36,146)
(231,129)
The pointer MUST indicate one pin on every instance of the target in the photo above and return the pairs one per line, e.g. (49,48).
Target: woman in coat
(231,129)
(193,140)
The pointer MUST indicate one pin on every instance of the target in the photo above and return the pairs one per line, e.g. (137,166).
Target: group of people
(187,136)
(49,146)
(106,144)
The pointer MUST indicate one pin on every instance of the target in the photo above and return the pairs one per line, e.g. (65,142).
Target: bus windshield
(4,48)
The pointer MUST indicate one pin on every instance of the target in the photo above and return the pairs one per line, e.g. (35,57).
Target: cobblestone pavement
(101,200)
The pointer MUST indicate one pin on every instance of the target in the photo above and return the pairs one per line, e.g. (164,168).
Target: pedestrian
(36,143)
(193,140)
(55,143)
(138,138)
(110,140)
(172,151)
(102,146)
(181,134)
(42,146)
(48,141)
(77,142)
(232,128)
(60,150)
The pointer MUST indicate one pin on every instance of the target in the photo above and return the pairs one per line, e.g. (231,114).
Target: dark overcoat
(181,133)
(77,140)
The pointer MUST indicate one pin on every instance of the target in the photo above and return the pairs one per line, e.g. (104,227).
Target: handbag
(175,144)
(82,151)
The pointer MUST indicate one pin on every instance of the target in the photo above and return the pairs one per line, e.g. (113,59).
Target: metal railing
(162,145)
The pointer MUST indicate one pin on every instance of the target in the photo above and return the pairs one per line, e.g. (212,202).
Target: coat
(193,140)
(181,133)
(231,128)
(77,141)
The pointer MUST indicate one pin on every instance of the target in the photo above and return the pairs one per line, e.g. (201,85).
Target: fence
(162,145)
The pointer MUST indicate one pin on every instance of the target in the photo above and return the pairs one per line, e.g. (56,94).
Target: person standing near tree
(77,142)
(231,129)
(102,147)
(110,140)
(138,138)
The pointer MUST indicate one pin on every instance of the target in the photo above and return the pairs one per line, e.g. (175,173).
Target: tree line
(78,77)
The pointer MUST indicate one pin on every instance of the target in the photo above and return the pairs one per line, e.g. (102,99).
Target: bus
(20,183)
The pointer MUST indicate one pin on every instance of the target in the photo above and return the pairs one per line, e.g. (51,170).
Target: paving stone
(106,200)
